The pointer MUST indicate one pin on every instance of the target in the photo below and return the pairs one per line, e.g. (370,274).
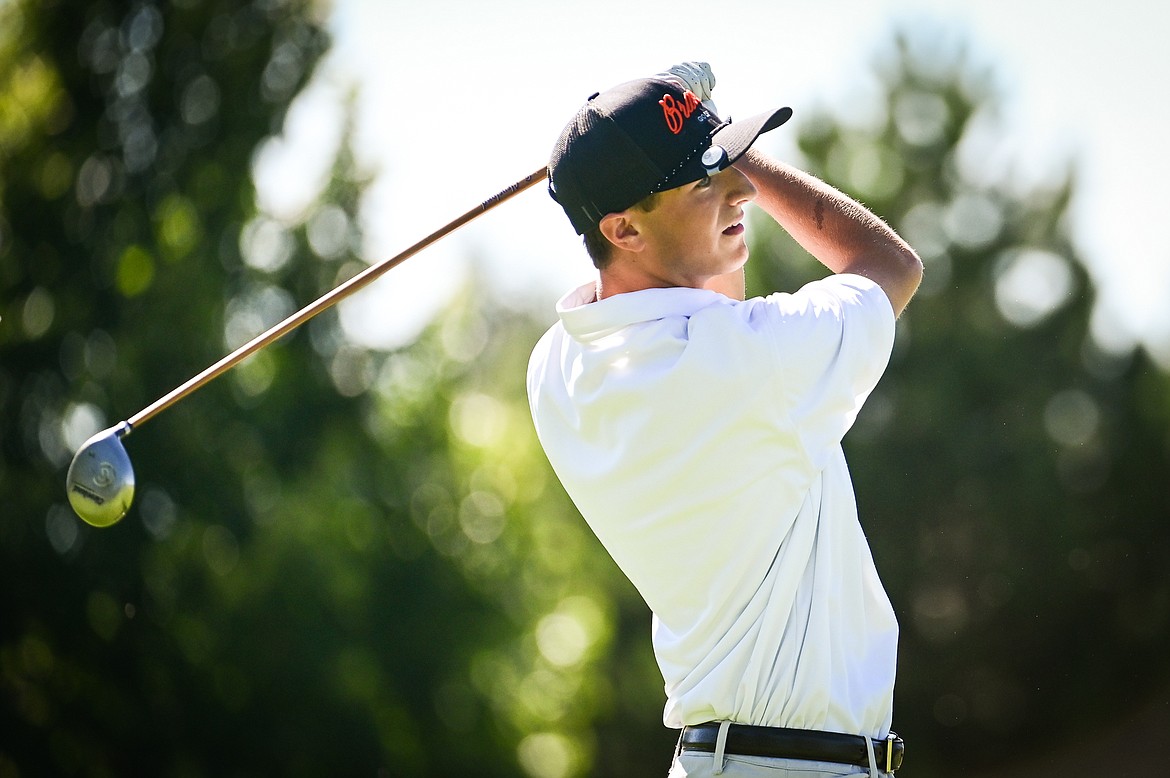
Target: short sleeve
(833,339)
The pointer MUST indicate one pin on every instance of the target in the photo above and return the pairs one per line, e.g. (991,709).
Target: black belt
(810,745)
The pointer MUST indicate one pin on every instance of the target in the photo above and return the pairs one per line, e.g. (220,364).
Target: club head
(100,481)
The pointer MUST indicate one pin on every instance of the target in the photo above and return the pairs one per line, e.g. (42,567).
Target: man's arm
(840,232)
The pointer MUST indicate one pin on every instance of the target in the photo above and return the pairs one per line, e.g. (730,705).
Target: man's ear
(620,230)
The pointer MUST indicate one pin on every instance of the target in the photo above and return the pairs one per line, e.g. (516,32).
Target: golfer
(699,433)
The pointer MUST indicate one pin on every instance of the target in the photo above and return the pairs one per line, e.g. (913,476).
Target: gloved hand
(697,77)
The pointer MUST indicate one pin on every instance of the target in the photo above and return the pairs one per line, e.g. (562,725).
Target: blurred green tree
(338,561)
(127,130)
(1010,469)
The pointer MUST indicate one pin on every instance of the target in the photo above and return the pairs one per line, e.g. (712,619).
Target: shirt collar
(585,317)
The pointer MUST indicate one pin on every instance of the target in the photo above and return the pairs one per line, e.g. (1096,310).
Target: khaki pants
(694,764)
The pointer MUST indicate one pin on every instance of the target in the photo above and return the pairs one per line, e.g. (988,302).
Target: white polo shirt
(700,439)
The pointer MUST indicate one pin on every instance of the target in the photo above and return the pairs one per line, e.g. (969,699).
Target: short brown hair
(598,247)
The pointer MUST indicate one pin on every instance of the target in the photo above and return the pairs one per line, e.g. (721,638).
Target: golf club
(100,481)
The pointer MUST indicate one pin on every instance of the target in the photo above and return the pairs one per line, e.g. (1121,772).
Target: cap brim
(737,137)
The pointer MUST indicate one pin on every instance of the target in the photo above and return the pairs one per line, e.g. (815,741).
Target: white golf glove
(697,77)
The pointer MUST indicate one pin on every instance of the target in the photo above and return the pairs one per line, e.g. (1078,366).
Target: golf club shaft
(325,302)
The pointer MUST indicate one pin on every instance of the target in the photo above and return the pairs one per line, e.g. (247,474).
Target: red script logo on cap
(676,112)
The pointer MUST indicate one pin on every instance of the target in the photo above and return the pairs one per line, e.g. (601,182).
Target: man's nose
(740,189)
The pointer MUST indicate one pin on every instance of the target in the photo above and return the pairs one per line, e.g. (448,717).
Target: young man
(700,434)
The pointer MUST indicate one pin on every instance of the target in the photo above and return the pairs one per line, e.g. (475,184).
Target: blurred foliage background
(351,562)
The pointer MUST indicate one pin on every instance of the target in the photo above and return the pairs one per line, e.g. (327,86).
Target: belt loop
(720,746)
(873,770)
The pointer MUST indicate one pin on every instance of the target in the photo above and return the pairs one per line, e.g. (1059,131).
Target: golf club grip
(327,301)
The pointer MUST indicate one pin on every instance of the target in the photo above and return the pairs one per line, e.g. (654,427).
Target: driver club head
(100,481)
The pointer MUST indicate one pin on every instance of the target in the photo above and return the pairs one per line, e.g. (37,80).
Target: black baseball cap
(642,137)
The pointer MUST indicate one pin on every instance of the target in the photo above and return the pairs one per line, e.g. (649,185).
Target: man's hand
(697,77)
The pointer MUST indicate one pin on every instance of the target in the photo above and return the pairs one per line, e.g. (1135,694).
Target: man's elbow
(897,270)
(905,280)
